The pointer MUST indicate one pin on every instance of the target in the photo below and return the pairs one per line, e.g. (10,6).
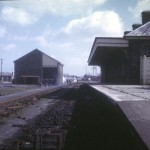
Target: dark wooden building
(124,60)
(37,67)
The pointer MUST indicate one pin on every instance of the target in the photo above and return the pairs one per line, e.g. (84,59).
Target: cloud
(17,15)
(2,31)
(139,7)
(21,37)
(76,64)
(65,46)
(97,24)
(74,41)
(59,7)
(81,33)
(41,40)
(69,7)
(27,12)
(8,47)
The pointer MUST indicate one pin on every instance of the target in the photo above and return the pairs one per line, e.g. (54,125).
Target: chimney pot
(145,16)
(135,26)
(126,32)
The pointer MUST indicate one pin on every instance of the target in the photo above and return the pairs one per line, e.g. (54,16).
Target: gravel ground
(22,117)
(9,88)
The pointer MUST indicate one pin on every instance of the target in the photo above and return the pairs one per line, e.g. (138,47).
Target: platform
(134,102)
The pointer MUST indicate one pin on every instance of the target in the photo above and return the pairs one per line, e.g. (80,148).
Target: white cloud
(99,23)
(76,61)
(82,31)
(42,41)
(139,7)
(17,15)
(66,46)
(21,37)
(8,47)
(74,41)
(2,31)
(60,7)
(48,43)
(69,7)
(75,64)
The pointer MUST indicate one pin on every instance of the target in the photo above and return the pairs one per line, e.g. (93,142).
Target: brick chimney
(126,32)
(145,16)
(135,26)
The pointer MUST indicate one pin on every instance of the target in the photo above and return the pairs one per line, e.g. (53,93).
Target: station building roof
(143,32)
(103,46)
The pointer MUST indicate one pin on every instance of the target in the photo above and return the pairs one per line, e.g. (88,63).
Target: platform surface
(134,102)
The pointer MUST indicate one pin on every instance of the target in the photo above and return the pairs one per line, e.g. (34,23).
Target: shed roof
(143,32)
(36,50)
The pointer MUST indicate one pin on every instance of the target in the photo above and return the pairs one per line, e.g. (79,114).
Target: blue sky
(63,29)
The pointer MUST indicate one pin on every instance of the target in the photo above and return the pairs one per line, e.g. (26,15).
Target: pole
(93,70)
(86,70)
(1,67)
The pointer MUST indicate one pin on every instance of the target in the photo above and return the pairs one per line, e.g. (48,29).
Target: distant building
(37,67)
(6,77)
(124,60)
(68,79)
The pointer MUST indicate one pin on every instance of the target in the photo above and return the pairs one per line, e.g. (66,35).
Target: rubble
(47,130)
(10,107)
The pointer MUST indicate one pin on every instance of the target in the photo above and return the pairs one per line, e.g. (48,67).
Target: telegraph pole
(1,67)
(93,70)
(86,70)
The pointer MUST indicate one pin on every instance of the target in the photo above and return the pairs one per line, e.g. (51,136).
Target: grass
(10,89)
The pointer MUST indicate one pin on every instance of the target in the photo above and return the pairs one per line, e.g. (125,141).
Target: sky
(63,29)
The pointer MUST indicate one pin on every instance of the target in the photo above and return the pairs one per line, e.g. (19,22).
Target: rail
(11,103)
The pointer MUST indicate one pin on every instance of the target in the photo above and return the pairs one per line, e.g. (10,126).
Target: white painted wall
(145,70)
(60,75)
(47,62)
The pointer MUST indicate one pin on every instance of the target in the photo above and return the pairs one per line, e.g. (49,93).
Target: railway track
(10,104)
(86,116)
(46,130)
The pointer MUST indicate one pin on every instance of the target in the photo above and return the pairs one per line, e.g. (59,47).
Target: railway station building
(37,67)
(124,60)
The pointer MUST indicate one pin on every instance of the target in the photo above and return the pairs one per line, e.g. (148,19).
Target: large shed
(124,60)
(37,67)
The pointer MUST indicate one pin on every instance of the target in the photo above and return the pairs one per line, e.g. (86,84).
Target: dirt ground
(9,88)
(22,117)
